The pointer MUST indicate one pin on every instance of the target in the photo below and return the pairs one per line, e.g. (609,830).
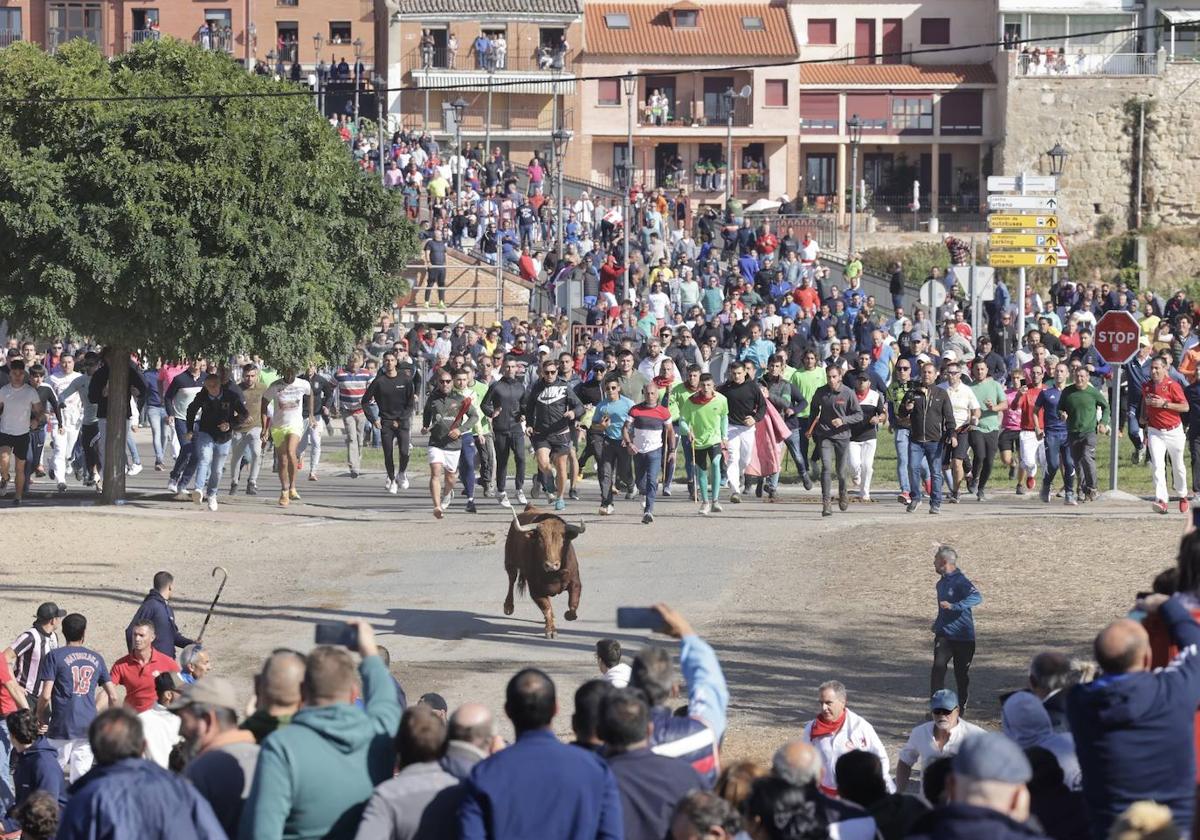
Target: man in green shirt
(1077,406)
(704,418)
(985,437)
(808,379)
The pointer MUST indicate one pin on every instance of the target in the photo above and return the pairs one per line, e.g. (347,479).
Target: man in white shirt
(837,731)
(967,412)
(941,737)
(160,725)
(22,411)
(70,387)
(650,365)
(612,669)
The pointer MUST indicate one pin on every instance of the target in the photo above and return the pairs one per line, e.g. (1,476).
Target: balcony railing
(56,37)
(692,114)
(504,118)
(1084,64)
(746,180)
(465,59)
(137,36)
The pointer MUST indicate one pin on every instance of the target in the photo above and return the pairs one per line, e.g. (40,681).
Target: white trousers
(741,447)
(862,465)
(74,756)
(62,446)
(1031,452)
(1165,442)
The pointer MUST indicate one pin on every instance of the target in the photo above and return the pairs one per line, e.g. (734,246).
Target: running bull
(539,555)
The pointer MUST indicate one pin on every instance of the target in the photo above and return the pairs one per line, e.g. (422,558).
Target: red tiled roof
(897,74)
(719,30)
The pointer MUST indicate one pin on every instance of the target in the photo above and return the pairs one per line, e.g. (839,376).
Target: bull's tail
(521,581)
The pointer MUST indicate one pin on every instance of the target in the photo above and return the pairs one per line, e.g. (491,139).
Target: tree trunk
(118,414)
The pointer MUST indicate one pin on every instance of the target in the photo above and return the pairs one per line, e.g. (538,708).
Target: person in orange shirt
(1163,404)
(1029,446)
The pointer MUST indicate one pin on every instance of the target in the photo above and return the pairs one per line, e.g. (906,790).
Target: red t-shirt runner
(138,678)
(1169,390)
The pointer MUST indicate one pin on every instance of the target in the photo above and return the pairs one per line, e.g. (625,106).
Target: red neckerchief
(820,728)
(664,381)
(698,398)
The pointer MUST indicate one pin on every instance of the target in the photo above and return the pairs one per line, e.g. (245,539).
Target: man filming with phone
(314,777)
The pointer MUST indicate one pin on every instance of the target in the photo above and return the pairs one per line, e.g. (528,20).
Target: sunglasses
(943,712)
(445,381)
(903,367)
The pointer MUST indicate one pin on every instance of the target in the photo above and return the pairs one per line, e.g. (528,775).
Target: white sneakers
(173,487)
(212,503)
(133,469)
(521,498)
(503,500)
(403,481)
(391,487)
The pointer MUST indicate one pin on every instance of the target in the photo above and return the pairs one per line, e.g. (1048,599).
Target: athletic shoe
(904,498)
(934,510)
(1012,472)
(404,480)
(911,506)
(172,487)
(843,501)
(1070,500)
(521,500)
(471,506)
(62,487)
(1029,482)
(487,492)
(1160,507)
(559,504)
(251,489)
(293,495)
(666,491)
(735,499)
(197,496)
(283,499)
(705,508)
(608,510)
(212,503)
(629,495)
(312,477)
(16,502)
(536,490)
(972,485)
(952,498)
(826,508)
(865,499)
(716,507)
(648,518)
(233,489)
(807,481)
(158,466)
(133,469)
(1021,490)
(503,500)
(981,496)
(1183,505)
(389,486)
(354,473)
(573,495)
(603,510)
(1044,495)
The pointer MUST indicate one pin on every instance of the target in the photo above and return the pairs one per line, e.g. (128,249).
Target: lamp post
(629,84)
(381,92)
(854,128)
(487,129)
(1058,159)
(358,51)
(731,96)
(562,138)
(271,62)
(251,46)
(459,105)
(318,40)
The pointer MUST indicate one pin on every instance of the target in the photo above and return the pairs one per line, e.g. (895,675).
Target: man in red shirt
(1163,402)
(767,241)
(136,672)
(12,698)
(1029,442)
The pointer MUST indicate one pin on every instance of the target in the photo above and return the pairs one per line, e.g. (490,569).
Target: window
(819,112)
(145,26)
(777,93)
(339,32)
(753,23)
(10,26)
(962,112)
(608,92)
(686,18)
(935,30)
(822,31)
(67,21)
(911,113)
(617,20)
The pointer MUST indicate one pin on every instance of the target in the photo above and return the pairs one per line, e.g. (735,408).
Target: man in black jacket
(928,409)
(747,407)
(502,405)
(156,609)
(221,408)
(395,394)
(834,411)
(549,408)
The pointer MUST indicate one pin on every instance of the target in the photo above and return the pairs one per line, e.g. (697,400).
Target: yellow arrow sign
(1048,241)
(1021,221)
(1018,259)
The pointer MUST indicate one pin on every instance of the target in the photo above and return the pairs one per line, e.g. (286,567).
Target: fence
(465,59)
(8,37)
(1084,64)
(693,114)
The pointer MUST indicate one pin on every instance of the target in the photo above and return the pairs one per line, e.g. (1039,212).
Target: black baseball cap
(49,610)
(434,701)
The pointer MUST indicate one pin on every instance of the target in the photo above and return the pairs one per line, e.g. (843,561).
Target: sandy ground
(787,599)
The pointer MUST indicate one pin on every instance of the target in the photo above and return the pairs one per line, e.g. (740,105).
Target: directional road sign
(1046,203)
(1022,221)
(1012,183)
(1117,335)
(1045,241)
(1021,259)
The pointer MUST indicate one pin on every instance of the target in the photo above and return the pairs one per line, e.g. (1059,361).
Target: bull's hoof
(551,633)
(570,615)
(508,607)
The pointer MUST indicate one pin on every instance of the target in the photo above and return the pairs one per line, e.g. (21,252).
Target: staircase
(472,294)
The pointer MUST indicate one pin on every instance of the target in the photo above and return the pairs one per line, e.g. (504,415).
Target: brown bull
(539,555)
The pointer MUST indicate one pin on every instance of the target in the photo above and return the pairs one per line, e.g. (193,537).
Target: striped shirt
(30,647)
(647,424)
(351,387)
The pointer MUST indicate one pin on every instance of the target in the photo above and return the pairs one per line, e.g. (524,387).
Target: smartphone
(640,618)
(337,633)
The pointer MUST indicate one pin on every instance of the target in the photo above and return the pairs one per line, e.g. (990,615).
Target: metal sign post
(1114,429)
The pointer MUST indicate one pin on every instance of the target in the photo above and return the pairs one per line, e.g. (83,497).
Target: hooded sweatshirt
(1133,732)
(314,777)
(959,821)
(1027,722)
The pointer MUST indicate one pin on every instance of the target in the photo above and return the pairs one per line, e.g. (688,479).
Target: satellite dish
(745,92)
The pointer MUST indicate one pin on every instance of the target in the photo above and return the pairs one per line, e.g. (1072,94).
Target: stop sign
(1117,335)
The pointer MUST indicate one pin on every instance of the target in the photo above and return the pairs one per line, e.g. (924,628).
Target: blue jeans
(1131,422)
(902,461)
(157,415)
(185,464)
(466,468)
(920,454)
(210,461)
(793,444)
(7,792)
(1059,454)
(37,442)
(646,468)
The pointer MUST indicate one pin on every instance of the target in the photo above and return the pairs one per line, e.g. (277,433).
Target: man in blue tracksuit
(1133,726)
(157,610)
(954,627)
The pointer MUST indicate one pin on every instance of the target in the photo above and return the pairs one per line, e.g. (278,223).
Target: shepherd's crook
(225,576)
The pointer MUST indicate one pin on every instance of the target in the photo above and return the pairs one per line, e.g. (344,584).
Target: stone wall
(1095,119)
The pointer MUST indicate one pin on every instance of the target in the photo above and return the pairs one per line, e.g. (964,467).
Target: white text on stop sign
(1117,338)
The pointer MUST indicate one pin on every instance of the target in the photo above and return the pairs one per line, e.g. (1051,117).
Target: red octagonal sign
(1117,335)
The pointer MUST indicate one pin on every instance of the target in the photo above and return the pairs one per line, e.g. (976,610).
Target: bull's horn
(524,529)
(576,530)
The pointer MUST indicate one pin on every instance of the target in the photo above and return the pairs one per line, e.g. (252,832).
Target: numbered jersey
(76,673)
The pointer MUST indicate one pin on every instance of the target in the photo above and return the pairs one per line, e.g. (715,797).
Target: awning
(1178,16)
(502,83)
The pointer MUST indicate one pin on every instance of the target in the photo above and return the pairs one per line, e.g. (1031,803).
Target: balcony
(703,184)
(705,114)
(8,37)
(504,118)
(1082,63)
(466,60)
(137,36)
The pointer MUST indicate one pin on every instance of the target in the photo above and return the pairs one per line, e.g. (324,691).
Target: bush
(917,260)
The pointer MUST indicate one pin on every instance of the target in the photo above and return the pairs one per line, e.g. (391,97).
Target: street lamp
(1058,158)
(318,40)
(730,97)
(381,93)
(487,129)
(562,138)
(629,84)
(459,105)
(854,128)
(358,51)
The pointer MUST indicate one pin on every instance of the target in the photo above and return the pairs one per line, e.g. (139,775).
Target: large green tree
(168,201)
